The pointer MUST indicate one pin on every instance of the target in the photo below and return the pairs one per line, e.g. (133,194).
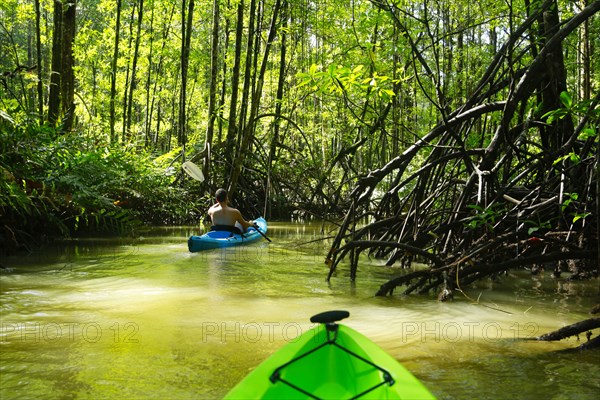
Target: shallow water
(144,318)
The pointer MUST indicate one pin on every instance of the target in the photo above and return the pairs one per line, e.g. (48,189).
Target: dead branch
(571,330)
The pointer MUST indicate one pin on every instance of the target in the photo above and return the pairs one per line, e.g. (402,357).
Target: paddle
(259,231)
(192,170)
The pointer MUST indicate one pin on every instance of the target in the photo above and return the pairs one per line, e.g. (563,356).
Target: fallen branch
(571,330)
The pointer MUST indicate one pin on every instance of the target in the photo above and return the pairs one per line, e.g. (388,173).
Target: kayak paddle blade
(192,170)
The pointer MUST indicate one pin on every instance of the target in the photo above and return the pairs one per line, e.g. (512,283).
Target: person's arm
(242,221)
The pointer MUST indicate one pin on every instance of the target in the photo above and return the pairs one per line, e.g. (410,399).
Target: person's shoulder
(235,211)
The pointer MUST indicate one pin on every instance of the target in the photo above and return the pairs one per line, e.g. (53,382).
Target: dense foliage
(56,185)
(286,102)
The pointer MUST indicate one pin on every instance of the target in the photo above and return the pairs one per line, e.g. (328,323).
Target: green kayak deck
(330,361)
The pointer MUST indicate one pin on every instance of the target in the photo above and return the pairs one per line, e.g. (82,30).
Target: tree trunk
(62,79)
(586,59)
(248,132)
(186,32)
(212,95)
(113,75)
(68,75)
(553,82)
(149,99)
(596,176)
(124,133)
(249,76)
(133,82)
(56,69)
(38,47)
(158,70)
(235,79)
(279,98)
(223,90)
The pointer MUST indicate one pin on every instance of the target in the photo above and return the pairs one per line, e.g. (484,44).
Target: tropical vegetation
(462,134)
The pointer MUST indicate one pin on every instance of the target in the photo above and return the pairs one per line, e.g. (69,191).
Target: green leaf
(331,69)
(566,99)
(357,69)
(587,133)
(574,158)
(305,79)
(555,114)
(560,159)
(571,197)
(577,217)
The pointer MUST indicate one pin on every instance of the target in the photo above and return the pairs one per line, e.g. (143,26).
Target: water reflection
(144,318)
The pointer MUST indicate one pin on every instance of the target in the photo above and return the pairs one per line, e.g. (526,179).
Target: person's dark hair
(221,195)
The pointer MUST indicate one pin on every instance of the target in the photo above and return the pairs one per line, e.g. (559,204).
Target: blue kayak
(218,239)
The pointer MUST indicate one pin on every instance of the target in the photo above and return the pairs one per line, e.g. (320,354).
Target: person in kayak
(225,218)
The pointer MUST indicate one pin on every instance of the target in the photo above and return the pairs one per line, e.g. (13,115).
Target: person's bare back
(223,215)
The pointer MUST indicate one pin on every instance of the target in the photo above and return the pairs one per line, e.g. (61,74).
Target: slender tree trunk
(56,68)
(212,96)
(280,84)
(248,132)
(158,121)
(224,70)
(29,92)
(186,32)
(158,73)
(133,83)
(597,177)
(554,81)
(149,103)
(124,133)
(278,102)
(248,78)
(62,79)
(38,46)
(235,79)
(68,78)
(461,93)
(113,76)
(586,58)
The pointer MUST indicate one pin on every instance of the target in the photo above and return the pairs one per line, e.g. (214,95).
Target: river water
(143,318)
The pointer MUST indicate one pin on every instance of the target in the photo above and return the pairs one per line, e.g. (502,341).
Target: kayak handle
(329,317)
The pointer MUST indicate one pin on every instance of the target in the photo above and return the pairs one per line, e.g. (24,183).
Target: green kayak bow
(330,361)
